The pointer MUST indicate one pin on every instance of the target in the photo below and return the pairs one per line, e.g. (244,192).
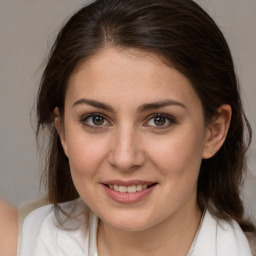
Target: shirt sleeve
(43,235)
(31,229)
(231,240)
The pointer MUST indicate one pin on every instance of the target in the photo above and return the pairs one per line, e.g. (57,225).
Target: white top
(41,235)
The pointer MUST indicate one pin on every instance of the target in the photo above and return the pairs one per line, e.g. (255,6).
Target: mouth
(130,188)
(128,192)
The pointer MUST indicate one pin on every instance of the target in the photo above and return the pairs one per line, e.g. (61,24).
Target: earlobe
(217,131)
(60,130)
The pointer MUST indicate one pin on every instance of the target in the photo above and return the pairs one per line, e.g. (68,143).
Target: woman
(146,146)
(8,229)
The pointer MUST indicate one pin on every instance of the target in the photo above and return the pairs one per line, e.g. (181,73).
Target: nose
(127,153)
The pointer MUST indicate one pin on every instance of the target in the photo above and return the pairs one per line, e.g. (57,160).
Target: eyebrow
(160,104)
(142,108)
(94,103)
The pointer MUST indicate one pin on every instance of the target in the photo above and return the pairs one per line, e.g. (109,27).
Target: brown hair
(184,35)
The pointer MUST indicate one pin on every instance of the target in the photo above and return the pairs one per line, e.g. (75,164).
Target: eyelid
(169,118)
(84,117)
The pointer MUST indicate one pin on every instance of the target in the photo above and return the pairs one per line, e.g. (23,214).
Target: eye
(95,120)
(160,121)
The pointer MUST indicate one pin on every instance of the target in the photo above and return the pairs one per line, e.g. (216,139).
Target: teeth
(139,187)
(123,189)
(128,189)
(132,189)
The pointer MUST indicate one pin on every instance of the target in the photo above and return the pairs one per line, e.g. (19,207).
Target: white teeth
(139,187)
(123,189)
(132,189)
(128,189)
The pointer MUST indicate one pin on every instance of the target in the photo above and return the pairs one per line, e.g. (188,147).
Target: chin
(128,222)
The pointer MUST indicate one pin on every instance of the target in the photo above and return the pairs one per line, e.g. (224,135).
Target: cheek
(178,160)
(86,154)
(178,156)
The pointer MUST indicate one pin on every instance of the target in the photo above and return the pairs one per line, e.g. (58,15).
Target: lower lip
(128,197)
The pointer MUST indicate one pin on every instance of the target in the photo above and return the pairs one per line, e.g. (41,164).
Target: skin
(8,229)
(129,144)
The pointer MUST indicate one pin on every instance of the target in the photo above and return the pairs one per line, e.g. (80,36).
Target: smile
(128,192)
(128,189)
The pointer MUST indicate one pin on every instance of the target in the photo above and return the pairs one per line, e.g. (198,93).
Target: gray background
(27,30)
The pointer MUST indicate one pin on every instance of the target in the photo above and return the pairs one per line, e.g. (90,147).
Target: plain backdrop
(27,31)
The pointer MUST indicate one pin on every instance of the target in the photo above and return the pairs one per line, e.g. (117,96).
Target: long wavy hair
(184,35)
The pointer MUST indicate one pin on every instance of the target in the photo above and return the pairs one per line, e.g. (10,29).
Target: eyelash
(85,118)
(167,118)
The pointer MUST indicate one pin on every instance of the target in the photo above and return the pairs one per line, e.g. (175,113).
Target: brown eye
(95,120)
(98,120)
(159,120)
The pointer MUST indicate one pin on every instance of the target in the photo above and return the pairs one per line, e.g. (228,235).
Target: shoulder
(231,239)
(8,229)
(44,233)
(220,237)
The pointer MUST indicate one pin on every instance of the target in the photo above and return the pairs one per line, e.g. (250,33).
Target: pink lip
(127,198)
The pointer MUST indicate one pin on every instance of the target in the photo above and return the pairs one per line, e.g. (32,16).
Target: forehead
(134,74)
(111,60)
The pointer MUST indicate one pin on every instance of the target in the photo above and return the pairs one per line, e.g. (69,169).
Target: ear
(217,131)
(60,129)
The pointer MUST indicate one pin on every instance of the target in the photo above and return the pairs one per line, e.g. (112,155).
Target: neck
(173,236)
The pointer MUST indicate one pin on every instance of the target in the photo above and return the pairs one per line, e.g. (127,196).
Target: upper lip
(128,182)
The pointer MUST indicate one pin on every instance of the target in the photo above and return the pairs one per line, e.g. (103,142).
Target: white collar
(93,220)
(215,238)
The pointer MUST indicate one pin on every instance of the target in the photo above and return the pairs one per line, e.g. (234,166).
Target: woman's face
(135,136)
